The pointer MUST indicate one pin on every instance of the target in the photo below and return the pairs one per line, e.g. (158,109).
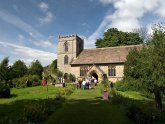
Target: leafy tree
(27,81)
(18,69)
(4,69)
(4,78)
(113,37)
(148,66)
(36,69)
(54,64)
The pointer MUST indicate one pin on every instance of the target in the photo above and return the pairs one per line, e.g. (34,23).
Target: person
(63,82)
(95,81)
(111,85)
(84,83)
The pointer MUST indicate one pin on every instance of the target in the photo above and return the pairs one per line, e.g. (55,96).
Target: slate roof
(104,55)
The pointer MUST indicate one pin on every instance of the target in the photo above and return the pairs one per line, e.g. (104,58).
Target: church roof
(104,55)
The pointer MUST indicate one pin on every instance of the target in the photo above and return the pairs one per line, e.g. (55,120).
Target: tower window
(111,71)
(66,59)
(66,46)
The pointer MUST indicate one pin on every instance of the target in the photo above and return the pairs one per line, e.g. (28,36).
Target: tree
(142,31)
(54,64)
(18,69)
(4,70)
(36,69)
(148,65)
(4,78)
(113,37)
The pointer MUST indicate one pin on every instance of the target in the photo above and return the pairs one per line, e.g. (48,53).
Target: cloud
(21,39)
(17,22)
(44,43)
(47,19)
(26,53)
(161,8)
(43,6)
(127,15)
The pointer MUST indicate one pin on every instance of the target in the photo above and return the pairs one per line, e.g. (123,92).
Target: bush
(27,81)
(129,84)
(38,111)
(4,90)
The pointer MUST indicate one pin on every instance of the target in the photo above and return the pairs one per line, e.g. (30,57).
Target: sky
(29,29)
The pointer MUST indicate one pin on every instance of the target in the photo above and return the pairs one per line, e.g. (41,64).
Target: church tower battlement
(69,47)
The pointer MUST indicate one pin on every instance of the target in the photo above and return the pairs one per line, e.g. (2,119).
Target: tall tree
(4,69)
(36,69)
(113,37)
(149,65)
(18,69)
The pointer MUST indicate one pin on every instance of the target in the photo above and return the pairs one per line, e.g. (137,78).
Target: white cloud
(26,53)
(16,21)
(44,6)
(48,14)
(126,16)
(161,8)
(21,39)
(47,19)
(44,43)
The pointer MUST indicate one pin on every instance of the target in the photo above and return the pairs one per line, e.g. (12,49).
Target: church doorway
(95,75)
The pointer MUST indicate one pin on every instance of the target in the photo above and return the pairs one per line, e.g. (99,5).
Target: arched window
(66,59)
(66,46)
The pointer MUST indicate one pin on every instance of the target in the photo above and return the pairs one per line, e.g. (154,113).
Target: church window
(66,59)
(111,71)
(66,46)
(84,70)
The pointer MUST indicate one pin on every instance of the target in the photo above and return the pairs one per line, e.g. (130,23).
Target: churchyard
(69,105)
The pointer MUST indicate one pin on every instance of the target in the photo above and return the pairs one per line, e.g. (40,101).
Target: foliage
(129,85)
(4,70)
(147,67)
(53,65)
(4,78)
(33,104)
(26,81)
(38,111)
(113,37)
(71,77)
(105,86)
(4,90)
(36,69)
(138,111)
(18,69)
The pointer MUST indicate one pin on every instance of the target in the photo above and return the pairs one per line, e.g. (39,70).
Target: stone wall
(73,51)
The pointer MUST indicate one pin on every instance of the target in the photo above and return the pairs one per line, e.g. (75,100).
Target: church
(97,62)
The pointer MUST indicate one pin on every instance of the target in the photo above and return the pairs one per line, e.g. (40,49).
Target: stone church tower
(69,47)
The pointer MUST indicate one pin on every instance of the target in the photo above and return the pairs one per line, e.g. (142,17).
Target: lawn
(11,108)
(30,93)
(87,107)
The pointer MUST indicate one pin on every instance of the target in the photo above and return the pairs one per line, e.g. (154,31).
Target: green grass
(31,93)
(87,107)
(134,95)
(12,107)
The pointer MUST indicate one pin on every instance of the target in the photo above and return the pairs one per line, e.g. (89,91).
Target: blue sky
(29,28)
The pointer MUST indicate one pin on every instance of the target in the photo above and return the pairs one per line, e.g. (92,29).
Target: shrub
(105,85)
(129,84)
(38,111)
(4,90)
(27,81)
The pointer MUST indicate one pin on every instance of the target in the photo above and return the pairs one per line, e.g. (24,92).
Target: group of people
(86,83)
